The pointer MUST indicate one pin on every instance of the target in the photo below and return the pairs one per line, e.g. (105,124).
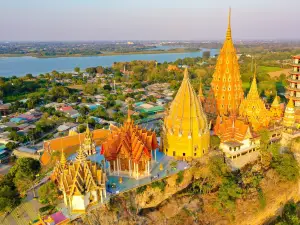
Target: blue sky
(39,20)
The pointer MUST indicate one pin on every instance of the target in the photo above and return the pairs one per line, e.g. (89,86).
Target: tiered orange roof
(131,140)
(230,129)
(226,83)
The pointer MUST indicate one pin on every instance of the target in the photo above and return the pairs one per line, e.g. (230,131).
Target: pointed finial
(228,33)
(81,156)
(63,159)
(87,131)
(186,74)
(128,114)
(255,71)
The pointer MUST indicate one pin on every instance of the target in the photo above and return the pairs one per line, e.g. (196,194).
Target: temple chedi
(253,108)
(128,150)
(88,144)
(289,115)
(226,83)
(82,182)
(186,133)
(275,111)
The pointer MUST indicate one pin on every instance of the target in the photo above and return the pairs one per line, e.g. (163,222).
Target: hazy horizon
(117,20)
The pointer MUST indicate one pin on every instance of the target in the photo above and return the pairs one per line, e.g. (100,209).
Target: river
(19,66)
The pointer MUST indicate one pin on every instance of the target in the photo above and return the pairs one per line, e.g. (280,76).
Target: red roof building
(128,149)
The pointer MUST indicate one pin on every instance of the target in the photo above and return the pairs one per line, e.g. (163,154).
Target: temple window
(195,154)
(183,154)
(166,150)
(174,153)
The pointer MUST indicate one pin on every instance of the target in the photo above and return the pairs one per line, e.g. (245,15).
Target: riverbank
(20,66)
(176,50)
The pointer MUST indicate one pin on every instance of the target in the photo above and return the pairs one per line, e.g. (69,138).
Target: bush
(159,184)
(179,178)
(46,209)
(286,166)
(141,190)
(228,192)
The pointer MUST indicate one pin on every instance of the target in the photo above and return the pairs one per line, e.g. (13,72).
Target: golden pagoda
(88,143)
(128,150)
(82,182)
(186,131)
(226,83)
(253,108)
(275,111)
(289,115)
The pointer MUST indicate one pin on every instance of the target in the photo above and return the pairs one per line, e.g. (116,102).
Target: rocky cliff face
(172,205)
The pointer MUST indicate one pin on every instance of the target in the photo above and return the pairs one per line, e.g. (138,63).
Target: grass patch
(268,69)
(261,199)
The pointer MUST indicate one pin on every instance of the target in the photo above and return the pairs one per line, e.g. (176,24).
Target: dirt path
(277,73)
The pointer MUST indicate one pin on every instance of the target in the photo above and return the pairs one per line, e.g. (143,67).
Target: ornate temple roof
(131,140)
(186,114)
(253,108)
(231,129)
(226,83)
(79,176)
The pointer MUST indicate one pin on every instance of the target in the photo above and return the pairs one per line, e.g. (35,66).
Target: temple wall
(79,202)
(70,144)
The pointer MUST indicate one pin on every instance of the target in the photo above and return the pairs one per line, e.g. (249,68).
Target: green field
(268,69)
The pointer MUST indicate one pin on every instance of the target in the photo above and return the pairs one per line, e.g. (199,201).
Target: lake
(19,66)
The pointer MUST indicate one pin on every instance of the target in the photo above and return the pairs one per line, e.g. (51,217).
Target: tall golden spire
(228,33)
(227,83)
(87,131)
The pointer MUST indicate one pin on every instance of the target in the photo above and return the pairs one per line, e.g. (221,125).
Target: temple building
(226,83)
(82,182)
(186,133)
(253,108)
(236,138)
(88,144)
(293,88)
(289,115)
(128,150)
(275,111)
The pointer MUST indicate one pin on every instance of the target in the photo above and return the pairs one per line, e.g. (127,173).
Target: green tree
(77,69)
(9,198)
(84,110)
(48,193)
